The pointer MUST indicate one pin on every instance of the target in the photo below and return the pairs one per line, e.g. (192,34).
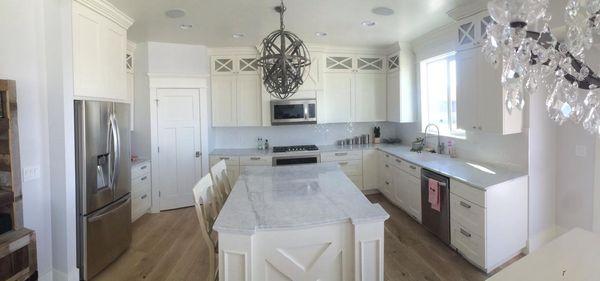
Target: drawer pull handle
(254,158)
(413,167)
(387,156)
(341,154)
(143,167)
(465,233)
(387,166)
(465,205)
(387,182)
(398,160)
(224,158)
(144,178)
(144,196)
(343,163)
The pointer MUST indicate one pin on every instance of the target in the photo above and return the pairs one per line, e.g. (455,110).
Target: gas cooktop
(293,148)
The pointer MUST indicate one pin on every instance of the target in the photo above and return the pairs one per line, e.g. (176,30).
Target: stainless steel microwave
(288,112)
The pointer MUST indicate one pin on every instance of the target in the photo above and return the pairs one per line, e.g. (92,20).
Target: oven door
(293,112)
(296,160)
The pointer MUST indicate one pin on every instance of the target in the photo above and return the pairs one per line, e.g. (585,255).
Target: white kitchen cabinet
(413,191)
(248,100)
(489,227)
(236,91)
(351,163)
(129,65)
(371,168)
(99,51)
(480,98)
(354,91)
(313,79)
(141,188)
(370,97)
(471,31)
(335,103)
(400,101)
(401,184)
(224,113)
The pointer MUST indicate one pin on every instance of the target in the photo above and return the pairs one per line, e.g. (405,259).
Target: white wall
(22,58)
(542,172)
(177,58)
(140,136)
(320,134)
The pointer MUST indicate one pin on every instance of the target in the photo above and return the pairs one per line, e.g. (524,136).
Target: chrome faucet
(440,146)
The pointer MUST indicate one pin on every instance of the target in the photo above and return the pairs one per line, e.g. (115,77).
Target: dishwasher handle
(441,183)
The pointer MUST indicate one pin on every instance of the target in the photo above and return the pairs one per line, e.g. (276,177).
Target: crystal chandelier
(535,60)
(284,59)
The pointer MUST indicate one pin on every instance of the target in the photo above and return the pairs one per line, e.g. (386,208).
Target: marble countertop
(478,175)
(294,197)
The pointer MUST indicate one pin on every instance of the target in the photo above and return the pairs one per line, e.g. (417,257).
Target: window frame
(447,131)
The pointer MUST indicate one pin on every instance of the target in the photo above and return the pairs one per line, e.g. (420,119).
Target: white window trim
(458,134)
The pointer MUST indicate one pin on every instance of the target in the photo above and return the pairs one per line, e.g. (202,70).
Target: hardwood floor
(167,246)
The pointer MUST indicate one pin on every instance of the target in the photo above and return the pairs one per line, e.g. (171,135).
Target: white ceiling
(214,21)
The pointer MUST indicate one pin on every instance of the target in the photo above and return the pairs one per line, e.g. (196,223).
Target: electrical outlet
(580,151)
(31,173)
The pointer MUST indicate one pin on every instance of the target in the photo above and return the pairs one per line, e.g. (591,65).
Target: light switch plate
(580,151)
(31,173)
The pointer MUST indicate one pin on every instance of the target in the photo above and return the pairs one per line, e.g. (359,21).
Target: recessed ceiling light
(175,13)
(321,34)
(238,35)
(186,26)
(383,11)
(368,23)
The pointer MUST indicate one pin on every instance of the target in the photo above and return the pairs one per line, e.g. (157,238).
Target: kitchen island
(304,222)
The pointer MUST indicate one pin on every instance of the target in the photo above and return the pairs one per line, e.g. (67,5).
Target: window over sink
(438,94)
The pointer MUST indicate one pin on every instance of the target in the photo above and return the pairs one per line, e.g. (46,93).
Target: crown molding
(467,10)
(108,10)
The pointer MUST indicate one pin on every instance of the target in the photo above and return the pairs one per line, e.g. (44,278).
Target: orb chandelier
(535,60)
(284,60)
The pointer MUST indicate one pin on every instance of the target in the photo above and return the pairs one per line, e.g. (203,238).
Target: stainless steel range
(296,155)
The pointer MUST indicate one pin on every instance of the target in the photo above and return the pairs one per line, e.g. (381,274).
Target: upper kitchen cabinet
(313,79)
(400,86)
(129,65)
(99,51)
(480,98)
(471,31)
(354,89)
(236,90)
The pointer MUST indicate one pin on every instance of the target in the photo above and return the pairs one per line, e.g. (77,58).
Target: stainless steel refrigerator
(103,179)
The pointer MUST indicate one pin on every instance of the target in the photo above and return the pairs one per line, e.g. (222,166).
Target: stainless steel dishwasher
(436,222)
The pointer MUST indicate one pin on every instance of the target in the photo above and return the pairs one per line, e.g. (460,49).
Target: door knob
(198,154)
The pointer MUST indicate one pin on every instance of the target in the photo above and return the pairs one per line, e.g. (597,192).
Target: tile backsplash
(319,134)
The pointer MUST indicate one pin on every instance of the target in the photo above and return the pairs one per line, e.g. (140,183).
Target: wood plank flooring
(167,246)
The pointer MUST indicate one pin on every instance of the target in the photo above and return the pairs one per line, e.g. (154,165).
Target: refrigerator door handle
(116,149)
(118,205)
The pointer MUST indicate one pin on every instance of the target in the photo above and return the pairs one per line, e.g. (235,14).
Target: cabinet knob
(474,127)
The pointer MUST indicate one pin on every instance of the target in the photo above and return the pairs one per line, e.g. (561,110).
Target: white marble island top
(294,197)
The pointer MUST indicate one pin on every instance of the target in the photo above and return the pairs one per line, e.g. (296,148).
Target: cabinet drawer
(468,192)
(357,180)
(256,161)
(229,160)
(411,169)
(140,169)
(468,214)
(351,167)
(470,245)
(140,205)
(341,156)
(141,181)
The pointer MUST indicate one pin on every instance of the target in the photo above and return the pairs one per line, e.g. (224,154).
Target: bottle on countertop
(259,144)
(451,150)
(266,144)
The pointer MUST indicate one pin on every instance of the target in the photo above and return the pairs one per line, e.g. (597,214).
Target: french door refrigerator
(103,184)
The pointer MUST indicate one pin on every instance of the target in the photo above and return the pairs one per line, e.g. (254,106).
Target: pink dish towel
(434,194)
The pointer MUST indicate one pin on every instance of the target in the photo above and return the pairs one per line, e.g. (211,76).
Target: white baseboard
(46,276)
(58,275)
(541,239)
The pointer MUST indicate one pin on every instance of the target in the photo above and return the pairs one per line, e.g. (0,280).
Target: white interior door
(179,161)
